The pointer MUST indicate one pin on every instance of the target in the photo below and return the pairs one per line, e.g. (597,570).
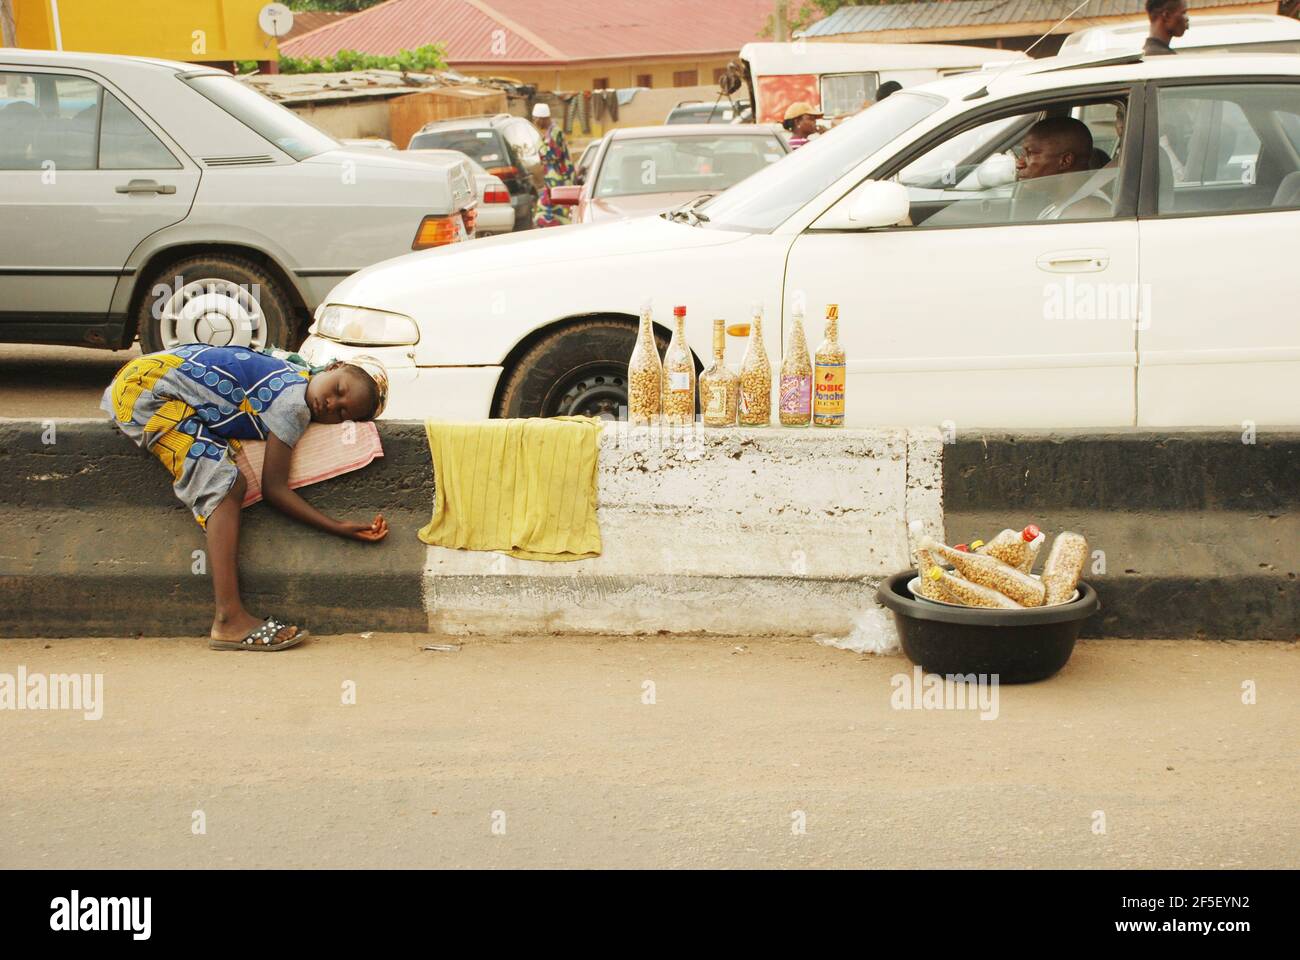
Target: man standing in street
(1168,20)
(557,167)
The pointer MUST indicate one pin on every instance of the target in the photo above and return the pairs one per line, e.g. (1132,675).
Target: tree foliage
(332,6)
(432,56)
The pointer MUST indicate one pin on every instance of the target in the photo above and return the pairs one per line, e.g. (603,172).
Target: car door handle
(146,186)
(1075,261)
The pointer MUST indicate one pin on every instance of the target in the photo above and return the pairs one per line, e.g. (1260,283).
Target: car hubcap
(218,312)
(600,393)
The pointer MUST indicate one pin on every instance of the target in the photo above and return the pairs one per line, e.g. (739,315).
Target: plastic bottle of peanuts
(1064,566)
(756,377)
(644,375)
(678,402)
(1016,548)
(968,593)
(990,572)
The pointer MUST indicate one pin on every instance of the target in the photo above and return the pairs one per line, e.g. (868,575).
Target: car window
(47,121)
(764,201)
(1213,158)
(1038,165)
(282,127)
(688,164)
(1291,127)
(125,143)
(484,146)
(844,94)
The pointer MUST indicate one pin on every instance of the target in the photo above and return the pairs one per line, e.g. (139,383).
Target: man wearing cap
(557,167)
(801,120)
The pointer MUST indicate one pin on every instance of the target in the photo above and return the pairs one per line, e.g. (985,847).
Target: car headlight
(366,328)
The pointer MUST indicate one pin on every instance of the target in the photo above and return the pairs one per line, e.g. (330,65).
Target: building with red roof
(557,44)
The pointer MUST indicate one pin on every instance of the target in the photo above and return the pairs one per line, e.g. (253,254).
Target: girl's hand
(371,532)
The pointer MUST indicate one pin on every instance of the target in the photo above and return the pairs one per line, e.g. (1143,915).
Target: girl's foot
(236,628)
(269,636)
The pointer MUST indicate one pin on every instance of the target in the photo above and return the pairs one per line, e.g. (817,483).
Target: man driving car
(1052,150)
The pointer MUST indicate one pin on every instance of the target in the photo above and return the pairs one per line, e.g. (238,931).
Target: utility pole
(8,29)
(781,22)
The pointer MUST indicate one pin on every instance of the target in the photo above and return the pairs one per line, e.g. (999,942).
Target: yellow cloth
(524,487)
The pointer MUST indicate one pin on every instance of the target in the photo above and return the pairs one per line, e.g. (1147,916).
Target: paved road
(43,382)
(551,740)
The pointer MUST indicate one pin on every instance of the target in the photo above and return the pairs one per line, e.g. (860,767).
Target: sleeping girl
(191,406)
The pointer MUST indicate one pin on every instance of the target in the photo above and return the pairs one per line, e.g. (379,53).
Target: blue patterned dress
(191,406)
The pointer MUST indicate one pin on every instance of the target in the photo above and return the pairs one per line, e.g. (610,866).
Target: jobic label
(828,397)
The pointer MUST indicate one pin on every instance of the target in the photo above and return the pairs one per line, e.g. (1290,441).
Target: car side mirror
(998,170)
(876,203)
(565,196)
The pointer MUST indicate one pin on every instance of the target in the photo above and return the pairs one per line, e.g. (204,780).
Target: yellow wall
(620,74)
(171,29)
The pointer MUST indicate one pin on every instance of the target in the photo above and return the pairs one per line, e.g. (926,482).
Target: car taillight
(493,195)
(505,173)
(437,232)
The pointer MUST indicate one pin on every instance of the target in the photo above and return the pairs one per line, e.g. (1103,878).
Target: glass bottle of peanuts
(719,386)
(755,377)
(828,375)
(796,377)
(644,375)
(678,403)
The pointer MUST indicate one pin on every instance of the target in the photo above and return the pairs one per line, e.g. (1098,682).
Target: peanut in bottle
(756,377)
(828,373)
(796,377)
(719,385)
(644,375)
(678,384)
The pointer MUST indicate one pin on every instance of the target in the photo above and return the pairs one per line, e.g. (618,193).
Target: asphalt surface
(39,382)
(547,752)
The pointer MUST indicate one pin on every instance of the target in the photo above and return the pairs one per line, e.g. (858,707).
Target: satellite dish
(275,19)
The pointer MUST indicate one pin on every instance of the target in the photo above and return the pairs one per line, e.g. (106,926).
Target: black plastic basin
(1020,646)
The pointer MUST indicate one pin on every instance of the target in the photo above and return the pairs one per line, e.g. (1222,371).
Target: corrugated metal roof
(305,21)
(924,16)
(551,32)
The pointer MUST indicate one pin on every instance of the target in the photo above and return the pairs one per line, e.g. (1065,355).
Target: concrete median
(742,532)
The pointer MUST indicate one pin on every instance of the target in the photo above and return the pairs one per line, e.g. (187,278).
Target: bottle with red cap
(678,403)
(1015,548)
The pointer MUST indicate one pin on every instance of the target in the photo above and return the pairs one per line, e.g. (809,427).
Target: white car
(1155,288)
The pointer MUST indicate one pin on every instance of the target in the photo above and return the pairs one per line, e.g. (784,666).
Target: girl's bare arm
(276,492)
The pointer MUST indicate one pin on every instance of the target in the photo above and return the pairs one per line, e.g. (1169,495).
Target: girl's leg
(231,621)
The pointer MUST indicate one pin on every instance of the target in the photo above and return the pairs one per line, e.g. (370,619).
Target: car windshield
(292,134)
(688,164)
(482,146)
(765,200)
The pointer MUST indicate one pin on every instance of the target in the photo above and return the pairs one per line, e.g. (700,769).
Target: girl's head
(353,390)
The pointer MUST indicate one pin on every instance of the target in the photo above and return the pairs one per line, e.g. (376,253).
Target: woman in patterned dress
(557,167)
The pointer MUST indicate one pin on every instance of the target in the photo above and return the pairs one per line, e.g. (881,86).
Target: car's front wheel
(579,370)
(226,301)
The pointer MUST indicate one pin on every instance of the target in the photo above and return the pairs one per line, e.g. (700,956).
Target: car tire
(580,369)
(218,299)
